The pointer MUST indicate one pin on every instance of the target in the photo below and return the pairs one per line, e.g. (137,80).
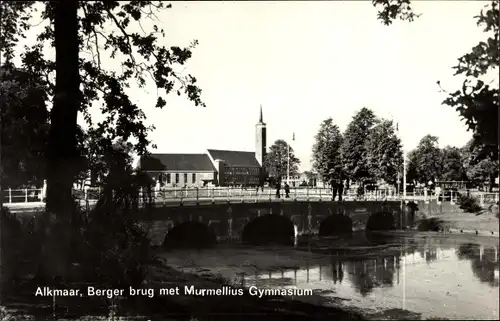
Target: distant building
(179,169)
(218,167)
(235,167)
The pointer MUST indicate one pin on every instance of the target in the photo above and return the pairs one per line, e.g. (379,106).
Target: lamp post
(288,165)
(404,164)
(404,176)
(288,161)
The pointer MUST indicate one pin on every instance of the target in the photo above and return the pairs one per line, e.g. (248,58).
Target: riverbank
(23,305)
(287,267)
(486,223)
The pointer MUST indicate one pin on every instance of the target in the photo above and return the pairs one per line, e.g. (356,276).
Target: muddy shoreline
(226,265)
(232,264)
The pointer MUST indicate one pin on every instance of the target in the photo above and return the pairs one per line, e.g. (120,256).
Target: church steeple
(260,139)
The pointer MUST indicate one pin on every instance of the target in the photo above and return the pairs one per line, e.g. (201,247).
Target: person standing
(278,188)
(334,189)
(341,190)
(287,190)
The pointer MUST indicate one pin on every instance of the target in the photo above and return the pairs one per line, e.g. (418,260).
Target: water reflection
(484,262)
(431,270)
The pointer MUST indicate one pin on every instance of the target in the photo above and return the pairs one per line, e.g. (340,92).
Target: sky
(305,61)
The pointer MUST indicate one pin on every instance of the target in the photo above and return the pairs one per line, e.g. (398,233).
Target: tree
(478,168)
(476,102)
(353,149)
(276,160)
(80,81)
(24,128)
(326,153)
(384,152)
(426,160)
(452,167)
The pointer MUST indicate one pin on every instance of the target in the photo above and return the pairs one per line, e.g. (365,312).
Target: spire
(261,119)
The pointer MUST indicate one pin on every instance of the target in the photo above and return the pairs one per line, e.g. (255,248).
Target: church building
(215,167)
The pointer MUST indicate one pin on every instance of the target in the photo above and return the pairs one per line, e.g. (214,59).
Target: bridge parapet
(229,220)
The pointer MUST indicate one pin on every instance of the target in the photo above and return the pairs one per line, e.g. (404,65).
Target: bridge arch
(190,235)
(269,229)
(335,225)
(380,221)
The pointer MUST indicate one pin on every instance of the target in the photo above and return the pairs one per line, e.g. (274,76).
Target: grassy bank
(485,223)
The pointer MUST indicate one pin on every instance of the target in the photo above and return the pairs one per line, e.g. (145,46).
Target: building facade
(217,167)
(179,170)
(236,168)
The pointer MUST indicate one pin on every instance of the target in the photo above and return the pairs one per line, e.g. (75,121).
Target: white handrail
(242,194)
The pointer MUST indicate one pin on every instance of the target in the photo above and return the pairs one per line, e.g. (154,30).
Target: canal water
(422,276)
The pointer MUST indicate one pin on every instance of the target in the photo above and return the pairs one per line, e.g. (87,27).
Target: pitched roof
(235,158)
(176,162)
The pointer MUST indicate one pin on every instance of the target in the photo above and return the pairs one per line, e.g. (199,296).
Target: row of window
(167,178)
(242,179)
(241,170)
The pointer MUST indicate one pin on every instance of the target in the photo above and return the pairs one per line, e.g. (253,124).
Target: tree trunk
(62,142)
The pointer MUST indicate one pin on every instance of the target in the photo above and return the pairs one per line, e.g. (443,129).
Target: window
(177,178)
(193,178)
(168,178)
(185,178)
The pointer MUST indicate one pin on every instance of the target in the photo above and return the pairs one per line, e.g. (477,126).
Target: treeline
(371,150)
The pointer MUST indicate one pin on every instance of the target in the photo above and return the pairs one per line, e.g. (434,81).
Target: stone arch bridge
(229,220)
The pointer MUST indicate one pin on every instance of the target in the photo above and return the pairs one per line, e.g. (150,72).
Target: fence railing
(234,194)
(25,195)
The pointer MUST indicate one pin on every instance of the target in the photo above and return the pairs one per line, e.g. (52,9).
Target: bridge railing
(22,195)
(247,194)
(234,194)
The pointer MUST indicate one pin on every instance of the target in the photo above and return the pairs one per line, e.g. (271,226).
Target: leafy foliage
(452,166)
(276,160)
(477,102)
(433,224)
(425,162)
(394,9)
(326,154)
(24,127)
(113,248)
(105,30)
(478,167)
(384,152)
(468,204)
(354,153)
(23,242)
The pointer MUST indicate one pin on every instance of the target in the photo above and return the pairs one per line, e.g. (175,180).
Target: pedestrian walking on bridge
(341,190)
(278,188)
(287,190)
(334,189)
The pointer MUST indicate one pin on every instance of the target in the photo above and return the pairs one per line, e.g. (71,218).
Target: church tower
(260,139)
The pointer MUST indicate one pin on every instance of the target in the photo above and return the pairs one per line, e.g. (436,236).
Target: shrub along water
(468,204)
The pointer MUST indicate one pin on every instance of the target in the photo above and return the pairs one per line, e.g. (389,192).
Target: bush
(433,224)
(114,250)
(468,204)
(21,245)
